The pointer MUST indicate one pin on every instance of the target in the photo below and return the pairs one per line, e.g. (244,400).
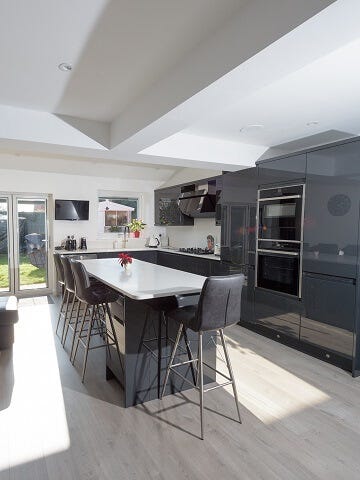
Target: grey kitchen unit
(323,319)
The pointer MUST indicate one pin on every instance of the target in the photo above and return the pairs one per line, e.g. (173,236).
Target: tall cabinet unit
(238,226)
(331,253)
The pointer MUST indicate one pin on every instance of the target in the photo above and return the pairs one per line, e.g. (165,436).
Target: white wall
(193,236)
(82,188)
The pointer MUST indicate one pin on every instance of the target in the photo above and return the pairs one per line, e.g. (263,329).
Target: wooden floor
(301,417)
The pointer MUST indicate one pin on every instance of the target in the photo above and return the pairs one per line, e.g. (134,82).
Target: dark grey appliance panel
(278,312)
(332,210)
(282,169)
(329,311)
(247,297)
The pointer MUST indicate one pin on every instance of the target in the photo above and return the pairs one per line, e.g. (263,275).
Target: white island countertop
(143,280)
(140,249)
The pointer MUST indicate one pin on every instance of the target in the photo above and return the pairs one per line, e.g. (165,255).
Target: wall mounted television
(71,209)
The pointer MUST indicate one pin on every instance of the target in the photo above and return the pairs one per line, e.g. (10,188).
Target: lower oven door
(279,272)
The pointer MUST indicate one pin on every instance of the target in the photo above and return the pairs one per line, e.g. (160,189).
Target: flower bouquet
(125,260)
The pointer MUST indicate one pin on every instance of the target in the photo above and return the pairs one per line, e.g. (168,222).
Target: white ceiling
(117,49)
(171,83)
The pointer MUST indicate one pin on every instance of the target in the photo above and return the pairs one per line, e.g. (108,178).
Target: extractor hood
(198,203)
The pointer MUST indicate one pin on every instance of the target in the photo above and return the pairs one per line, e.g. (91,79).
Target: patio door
(24,244)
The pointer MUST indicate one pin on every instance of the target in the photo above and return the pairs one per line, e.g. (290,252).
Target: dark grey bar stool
(96,298)
(219,307)
(61,281)
(160,332)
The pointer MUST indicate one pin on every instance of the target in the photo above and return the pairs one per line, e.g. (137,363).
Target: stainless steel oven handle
(277,241)
(275,252)
(284,197)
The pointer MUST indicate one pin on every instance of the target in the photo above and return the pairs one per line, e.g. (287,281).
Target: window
(114,212)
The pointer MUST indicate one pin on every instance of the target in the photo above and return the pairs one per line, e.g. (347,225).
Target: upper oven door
(280,214)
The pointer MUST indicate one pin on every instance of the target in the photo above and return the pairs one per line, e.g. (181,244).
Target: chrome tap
(126,235)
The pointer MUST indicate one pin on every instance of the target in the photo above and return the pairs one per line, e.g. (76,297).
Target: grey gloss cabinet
(167,211)
(280,170)
(332,210)
(329,313)
(278,313)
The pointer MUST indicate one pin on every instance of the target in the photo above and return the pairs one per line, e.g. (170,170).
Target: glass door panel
(4,246)
(32,243)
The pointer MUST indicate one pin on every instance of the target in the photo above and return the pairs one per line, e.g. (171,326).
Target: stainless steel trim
(263,250)
(281,186)
(302,242)
(284,197)
(278,241)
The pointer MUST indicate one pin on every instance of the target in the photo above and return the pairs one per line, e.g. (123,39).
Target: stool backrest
(59,268)
(220,302)
(68,276)
(81,277)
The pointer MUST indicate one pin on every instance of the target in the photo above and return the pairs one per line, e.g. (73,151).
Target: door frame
(13,242)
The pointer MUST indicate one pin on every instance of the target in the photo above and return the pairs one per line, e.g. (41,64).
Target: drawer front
(329,313)
(278,313)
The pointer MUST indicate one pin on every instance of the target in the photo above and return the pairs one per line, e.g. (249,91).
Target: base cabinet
(329,312)
(278,313)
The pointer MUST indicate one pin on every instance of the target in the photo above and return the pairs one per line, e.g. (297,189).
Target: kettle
(154,242)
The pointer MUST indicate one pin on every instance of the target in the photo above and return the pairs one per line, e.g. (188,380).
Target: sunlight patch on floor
(259,383)
(33,413)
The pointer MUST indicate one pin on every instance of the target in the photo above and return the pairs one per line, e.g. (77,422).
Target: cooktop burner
(197,251)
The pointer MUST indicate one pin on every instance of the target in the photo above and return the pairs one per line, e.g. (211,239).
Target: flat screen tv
(71,210)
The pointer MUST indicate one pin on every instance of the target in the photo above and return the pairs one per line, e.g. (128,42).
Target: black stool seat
(99,293)
(185,315)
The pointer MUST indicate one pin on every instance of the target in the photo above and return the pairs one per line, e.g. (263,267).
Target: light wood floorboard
(301,417)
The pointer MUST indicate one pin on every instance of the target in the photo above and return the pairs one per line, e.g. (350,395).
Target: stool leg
(189,352)
(61,309)
(228,363)
(76,323)
(65,314)
(201,385)
(79,333)
(178,336)
(87,345)
(63,340)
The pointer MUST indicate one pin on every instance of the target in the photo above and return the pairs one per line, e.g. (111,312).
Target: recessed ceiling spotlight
(65,67)
(312,123)
(254,126)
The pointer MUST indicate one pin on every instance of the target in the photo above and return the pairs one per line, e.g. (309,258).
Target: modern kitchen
(179,243)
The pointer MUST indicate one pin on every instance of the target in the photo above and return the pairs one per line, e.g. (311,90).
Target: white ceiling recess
(145,73)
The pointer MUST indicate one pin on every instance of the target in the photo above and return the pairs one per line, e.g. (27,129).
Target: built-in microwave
(280,213)
(279,246)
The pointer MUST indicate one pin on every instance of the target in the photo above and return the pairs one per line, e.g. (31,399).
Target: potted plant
(136,225)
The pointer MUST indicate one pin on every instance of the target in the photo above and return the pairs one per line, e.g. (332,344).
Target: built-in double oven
(279,248)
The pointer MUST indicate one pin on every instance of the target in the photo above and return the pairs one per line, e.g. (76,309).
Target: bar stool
(219,307)
(96,298)
(69,298)
(162,306)
(61,281)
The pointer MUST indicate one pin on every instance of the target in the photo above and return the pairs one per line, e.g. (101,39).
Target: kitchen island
(145,340)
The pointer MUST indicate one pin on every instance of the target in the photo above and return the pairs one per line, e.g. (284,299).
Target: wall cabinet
(167,212)
(332,210)
(280,170)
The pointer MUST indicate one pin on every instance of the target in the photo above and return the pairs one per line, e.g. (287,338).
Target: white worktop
(143,249)
(143,280)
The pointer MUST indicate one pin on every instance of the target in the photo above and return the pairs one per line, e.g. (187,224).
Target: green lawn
(29,275)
